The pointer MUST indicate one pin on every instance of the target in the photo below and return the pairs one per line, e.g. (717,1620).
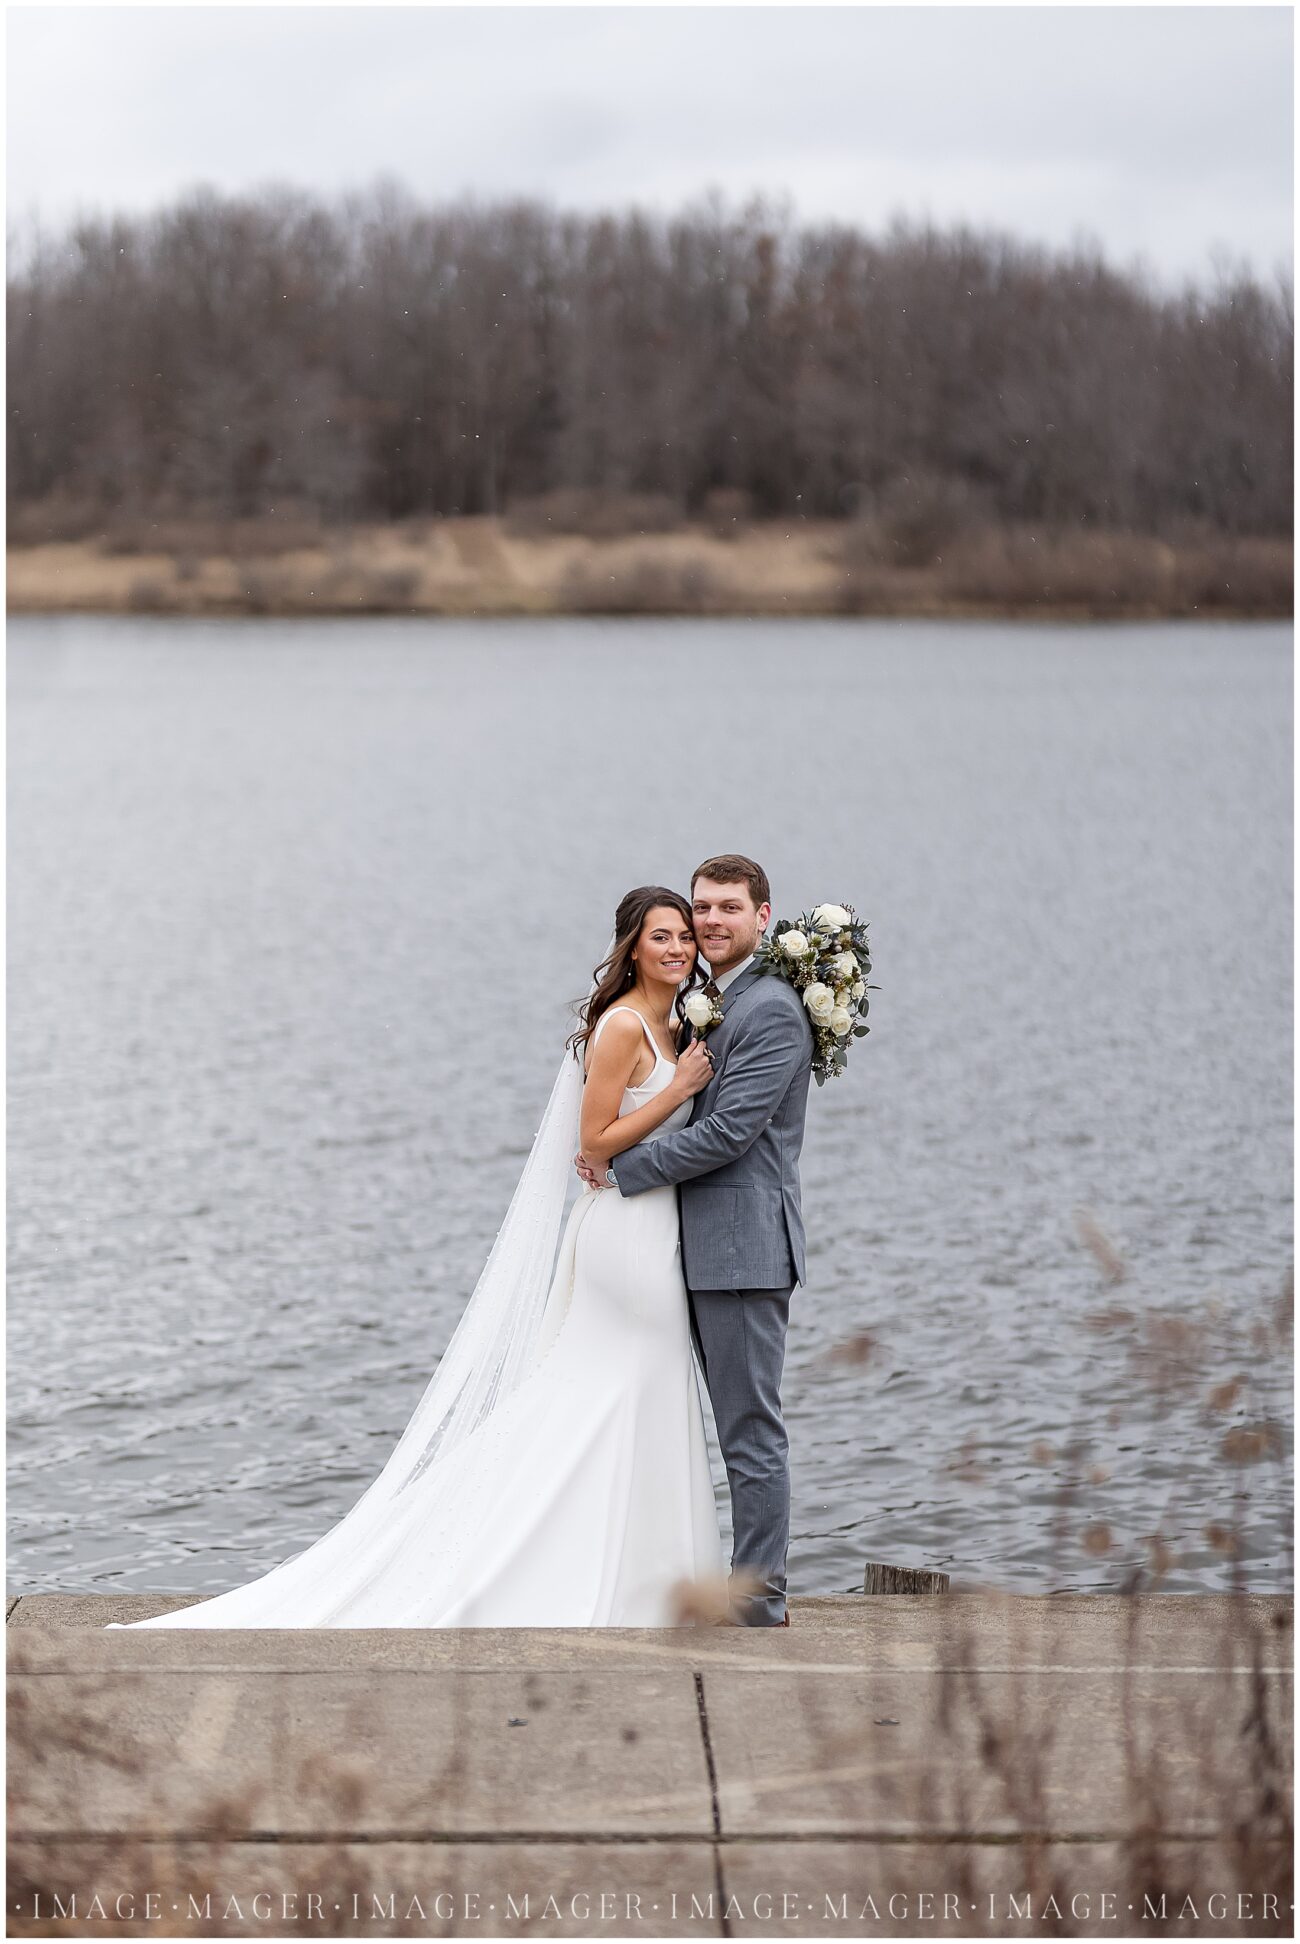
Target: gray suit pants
(739,1335)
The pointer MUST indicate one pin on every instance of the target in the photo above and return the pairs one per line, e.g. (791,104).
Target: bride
(555,1471)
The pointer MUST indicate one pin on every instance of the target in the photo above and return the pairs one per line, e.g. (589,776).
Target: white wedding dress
(584,1494)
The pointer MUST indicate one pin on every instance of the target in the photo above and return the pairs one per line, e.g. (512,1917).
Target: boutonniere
(703,1013)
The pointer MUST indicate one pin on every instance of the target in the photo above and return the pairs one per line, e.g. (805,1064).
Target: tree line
(369,358)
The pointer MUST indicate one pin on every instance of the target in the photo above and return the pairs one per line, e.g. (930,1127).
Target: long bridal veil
(515,1309)
(505,1323)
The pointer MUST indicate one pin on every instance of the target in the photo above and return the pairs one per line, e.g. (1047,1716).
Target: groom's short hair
(735,870)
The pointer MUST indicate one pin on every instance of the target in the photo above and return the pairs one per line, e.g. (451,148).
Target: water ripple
(294,910)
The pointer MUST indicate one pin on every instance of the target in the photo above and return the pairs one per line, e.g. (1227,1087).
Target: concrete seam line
(706,1738)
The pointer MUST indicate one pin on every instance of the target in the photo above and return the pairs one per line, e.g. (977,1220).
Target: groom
(737,1168)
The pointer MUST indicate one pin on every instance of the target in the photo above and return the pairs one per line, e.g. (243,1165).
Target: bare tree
(373,358)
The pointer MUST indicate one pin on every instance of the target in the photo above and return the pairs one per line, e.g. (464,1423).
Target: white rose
(794,944)
(857,989)
(840,1021)
(841,995)
(820,1001)
(847,966)
(699,1010)
(835,917)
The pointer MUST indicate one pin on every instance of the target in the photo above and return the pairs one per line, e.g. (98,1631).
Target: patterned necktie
(712,990)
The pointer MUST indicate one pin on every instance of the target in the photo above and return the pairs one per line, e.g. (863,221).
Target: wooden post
(902,1579)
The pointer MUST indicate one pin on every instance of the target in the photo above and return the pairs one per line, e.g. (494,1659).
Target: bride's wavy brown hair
(616,975)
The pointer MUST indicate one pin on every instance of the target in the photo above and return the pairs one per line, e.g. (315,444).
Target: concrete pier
(954,1764)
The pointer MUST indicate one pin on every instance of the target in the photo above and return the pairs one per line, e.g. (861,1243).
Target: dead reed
(935,556)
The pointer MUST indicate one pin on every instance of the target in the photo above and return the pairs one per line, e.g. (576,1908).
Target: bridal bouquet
(824,955)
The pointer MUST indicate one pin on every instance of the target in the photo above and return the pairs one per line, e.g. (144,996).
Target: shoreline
(481,566)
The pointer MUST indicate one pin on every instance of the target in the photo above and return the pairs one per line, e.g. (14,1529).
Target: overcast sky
(1162,132)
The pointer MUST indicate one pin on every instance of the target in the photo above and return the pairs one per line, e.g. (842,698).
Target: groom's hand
(588,1173)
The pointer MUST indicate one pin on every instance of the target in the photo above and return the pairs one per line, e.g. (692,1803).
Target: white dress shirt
(723,980)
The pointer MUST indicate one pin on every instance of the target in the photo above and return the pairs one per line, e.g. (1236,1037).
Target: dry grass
(48,1744)
(710,1602)
(1187,1365)
(639,581)
(595,516)
(268,539)
(1215,1764)
(1102,573)
(935,558)
(1218,1760)
(1106,573)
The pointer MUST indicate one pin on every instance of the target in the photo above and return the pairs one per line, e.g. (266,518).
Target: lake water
(295,908)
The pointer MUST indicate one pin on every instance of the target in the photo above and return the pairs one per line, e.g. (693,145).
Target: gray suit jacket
(737,1163)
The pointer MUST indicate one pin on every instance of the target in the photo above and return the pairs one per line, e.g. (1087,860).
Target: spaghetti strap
(636,1015)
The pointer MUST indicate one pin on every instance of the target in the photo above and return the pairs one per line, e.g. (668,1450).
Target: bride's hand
(694,1069)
